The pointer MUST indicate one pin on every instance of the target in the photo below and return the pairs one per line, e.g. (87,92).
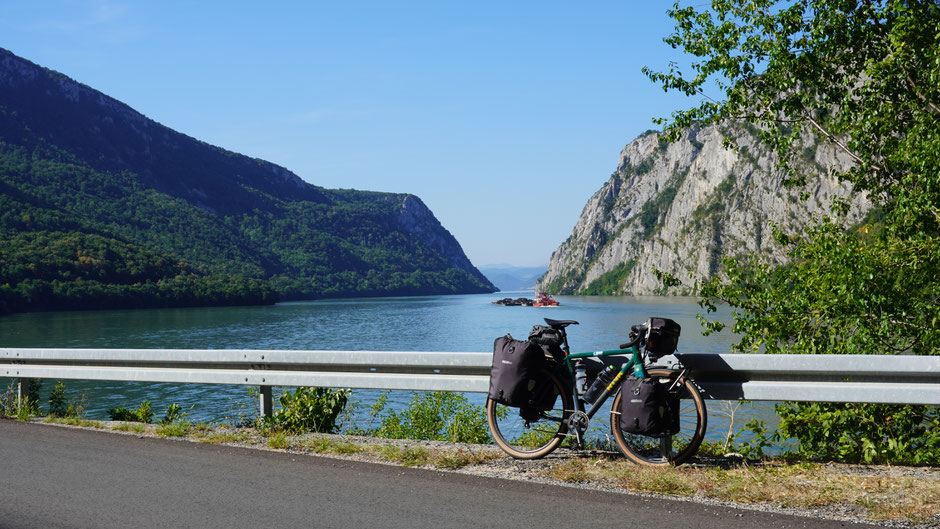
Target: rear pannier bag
(647,408)
(550,339)
(663,337)
(518,377)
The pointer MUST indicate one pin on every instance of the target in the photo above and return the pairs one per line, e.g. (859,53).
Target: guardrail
(823,378)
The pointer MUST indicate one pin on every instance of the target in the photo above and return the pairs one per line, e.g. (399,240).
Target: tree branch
(838,143)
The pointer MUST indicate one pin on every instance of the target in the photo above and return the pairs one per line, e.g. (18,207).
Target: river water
(433,323)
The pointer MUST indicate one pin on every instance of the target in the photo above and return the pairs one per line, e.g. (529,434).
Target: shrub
(862,433)
(307,410)
(174,413)
(61,407)
(142,414)
(8,402)
(437,416)
(56,401)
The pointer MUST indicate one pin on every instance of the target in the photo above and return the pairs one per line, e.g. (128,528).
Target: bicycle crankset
(578,423)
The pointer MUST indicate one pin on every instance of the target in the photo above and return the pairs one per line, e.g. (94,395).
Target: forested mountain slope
(102,207)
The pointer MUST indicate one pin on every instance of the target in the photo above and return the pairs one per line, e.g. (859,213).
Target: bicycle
(531,434)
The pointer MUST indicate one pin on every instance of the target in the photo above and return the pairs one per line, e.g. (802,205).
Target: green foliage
(174,413)
(862,77)
(57,400)
(26,408)
(610,283)
(114,219)
(21,409)
(60,406)
(654,210)
(279,441)
(844,293)
(143,414)
(408,456)
(177,428)
(862,433)
(436,416)
(8,401)
(307,410)
(567,283)
(175,422)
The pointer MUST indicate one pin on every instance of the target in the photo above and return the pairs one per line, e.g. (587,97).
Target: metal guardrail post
(22,391)
(267,401)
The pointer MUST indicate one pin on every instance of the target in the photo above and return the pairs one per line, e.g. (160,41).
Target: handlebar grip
(631,344)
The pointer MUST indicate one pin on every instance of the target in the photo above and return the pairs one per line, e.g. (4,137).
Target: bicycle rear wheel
(535,435)
(670,449)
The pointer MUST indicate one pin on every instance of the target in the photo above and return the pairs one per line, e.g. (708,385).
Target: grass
(175,429)
(279,440)
(454,459)
(75,421)
(135,427)
(213,437)
(409,456)
(801,486)
(327,445)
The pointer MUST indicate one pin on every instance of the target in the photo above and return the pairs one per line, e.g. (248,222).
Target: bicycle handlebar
(637,334)
(631,344)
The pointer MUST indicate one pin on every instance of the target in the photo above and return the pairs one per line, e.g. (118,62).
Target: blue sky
(504,117)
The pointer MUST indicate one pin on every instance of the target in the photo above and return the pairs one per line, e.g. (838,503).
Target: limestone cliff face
(680,207)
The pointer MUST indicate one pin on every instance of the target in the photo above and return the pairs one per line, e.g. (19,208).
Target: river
(432,323)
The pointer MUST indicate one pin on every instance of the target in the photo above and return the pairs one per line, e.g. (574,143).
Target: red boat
(544,300)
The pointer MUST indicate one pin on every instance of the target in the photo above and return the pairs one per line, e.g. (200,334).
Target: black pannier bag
(663,337)
(517,377)
(647,408)
(550,339)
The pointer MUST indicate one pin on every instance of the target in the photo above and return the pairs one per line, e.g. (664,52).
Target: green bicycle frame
(635,364)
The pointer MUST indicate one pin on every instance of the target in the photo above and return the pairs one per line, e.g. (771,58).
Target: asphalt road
(54,477)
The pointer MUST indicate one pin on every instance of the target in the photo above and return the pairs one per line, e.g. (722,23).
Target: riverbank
(890,496)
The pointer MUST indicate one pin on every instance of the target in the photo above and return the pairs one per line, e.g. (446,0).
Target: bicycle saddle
(559,324)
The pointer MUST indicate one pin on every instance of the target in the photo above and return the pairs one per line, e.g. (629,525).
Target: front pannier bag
(518,374)
(647,408)
(663,337)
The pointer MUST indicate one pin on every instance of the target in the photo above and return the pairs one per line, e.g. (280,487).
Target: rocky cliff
(680,207)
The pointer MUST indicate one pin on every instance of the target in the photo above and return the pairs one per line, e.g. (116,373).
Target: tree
(863,75)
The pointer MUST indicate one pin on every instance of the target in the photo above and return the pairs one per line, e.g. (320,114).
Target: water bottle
(580,377)
(603,379)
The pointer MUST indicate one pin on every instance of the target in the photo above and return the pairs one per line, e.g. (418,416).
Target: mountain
(508,277)
(682,206)
(101,207)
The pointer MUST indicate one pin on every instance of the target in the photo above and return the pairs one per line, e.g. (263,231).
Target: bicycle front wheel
(527,433)
(670,449)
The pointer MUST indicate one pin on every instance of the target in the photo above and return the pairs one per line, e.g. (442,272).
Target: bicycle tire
(523,439)
(668,450)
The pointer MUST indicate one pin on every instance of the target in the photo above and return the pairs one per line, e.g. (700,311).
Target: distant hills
(508,277)
(101,207)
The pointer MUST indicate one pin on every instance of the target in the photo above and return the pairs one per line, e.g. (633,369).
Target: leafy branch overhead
(864,76)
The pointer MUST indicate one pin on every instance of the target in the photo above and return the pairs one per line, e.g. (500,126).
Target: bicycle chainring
(578,421)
